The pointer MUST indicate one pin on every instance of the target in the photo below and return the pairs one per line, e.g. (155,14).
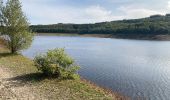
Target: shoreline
(22,68)
(74,34)
(109,91)
(135,37)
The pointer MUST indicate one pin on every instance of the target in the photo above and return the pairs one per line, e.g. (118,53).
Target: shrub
(57,63)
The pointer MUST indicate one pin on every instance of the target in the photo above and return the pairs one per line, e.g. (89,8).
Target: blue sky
(91,11)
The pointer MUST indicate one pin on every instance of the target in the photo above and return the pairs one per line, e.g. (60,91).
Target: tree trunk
(13,50)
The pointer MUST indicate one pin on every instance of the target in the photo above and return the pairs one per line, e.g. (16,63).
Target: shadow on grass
(29,79)
(6,54)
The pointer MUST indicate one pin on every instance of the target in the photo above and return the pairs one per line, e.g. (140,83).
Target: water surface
(135,68)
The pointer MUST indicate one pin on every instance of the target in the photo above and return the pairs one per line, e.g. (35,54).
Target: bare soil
(11,89)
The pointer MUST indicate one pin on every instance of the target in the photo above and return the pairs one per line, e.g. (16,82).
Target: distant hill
(149,27)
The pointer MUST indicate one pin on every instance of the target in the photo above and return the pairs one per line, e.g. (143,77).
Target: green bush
(57,63)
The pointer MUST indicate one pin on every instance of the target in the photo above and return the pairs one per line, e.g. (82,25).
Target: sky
(91,11)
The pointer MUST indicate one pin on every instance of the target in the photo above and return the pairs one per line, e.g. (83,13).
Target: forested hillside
(150,26)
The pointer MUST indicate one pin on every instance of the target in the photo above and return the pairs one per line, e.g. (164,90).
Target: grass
(23,70)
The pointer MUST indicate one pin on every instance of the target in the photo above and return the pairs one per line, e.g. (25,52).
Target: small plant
(57,63)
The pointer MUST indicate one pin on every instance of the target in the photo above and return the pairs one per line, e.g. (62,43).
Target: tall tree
(1,6)
(16,26)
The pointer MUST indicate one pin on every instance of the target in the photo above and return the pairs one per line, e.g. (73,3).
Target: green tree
(1,6)
(16,26)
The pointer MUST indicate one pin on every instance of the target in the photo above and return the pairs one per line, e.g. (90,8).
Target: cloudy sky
(91,11)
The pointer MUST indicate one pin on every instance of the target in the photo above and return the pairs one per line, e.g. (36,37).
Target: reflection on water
(135,68)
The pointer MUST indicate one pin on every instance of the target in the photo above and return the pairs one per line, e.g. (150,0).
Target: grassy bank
(24,71)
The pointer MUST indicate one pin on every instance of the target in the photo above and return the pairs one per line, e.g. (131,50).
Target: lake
(134,68)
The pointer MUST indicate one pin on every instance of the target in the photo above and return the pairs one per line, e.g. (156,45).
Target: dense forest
(149,26)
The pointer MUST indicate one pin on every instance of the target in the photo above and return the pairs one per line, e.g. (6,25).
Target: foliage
(1,6)
(56,62)
(153,25)
(16,26)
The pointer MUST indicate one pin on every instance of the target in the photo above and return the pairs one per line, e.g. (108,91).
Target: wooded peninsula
(153,27)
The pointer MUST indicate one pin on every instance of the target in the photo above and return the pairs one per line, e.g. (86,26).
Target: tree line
(153,25)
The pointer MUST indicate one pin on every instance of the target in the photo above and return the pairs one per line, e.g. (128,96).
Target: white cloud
(42,12)
(98,14)
(131,12)
(50,15)
(168,4)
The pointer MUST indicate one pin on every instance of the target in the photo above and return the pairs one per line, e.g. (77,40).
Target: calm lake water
(135,68)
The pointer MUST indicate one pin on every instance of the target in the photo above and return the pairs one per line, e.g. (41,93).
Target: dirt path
(14,90)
